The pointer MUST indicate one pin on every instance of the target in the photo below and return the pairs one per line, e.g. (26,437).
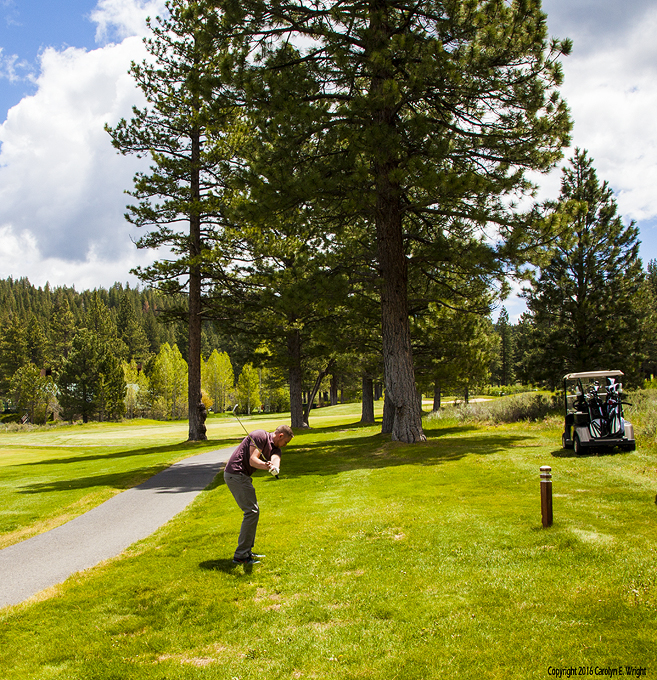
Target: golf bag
(614,409)
(598,419)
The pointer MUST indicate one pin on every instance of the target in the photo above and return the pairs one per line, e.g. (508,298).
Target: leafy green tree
(285,298)
(455,349)
(91,381)
(33,393)
(502,371)
(650,291)
(274,391)
(13,350)
(98,319)
(587,305)
(36,342)
(417,118)
(137,391)
(131,332)
(111,387)
(184,95)
(523,355)
(62,331)
(218,379)
(77,382)
(168,382)
(248,388)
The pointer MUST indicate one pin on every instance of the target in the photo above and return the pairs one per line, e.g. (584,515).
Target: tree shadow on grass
(443,445)
(117,480)
(188,479)
(357,425)
(192,447)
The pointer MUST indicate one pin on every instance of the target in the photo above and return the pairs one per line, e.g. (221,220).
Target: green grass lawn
(383,560)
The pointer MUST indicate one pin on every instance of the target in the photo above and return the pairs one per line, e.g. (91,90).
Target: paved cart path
(50,558)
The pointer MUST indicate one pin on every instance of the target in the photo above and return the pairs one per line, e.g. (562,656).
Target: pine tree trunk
(388,415)
(311,397)
(334,390)
(196,424)
(296,391)
(395,330)
(436,397)
(367,410)
(396,334)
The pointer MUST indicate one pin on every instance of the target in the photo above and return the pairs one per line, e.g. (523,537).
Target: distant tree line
(106,354)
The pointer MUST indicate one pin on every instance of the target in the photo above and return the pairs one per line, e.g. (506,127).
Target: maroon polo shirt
(239,463)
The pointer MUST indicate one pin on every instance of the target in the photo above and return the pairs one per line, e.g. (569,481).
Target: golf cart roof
(594,374)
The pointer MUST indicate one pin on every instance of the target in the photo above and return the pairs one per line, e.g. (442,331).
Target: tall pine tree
(585,307)
(178,130)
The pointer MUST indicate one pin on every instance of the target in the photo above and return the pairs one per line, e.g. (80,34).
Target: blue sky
(28,26)
(63,74)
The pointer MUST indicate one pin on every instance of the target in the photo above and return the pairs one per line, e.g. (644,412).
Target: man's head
(282,436)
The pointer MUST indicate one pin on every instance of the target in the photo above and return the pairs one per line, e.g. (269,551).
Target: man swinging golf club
(259,450)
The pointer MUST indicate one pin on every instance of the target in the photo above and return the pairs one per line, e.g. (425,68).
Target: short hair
(286,430)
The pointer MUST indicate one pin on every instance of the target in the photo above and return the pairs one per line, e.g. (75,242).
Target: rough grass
(383,561)
(548,408)
(642,412)
(511,409)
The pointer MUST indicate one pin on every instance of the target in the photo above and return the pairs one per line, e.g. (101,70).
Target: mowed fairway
(383,560)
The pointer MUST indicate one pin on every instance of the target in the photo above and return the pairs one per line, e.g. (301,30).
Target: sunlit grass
(49,476)
(383,561)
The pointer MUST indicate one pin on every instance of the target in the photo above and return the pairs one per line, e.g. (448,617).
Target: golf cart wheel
(630,446)
(577,446)
(565,442)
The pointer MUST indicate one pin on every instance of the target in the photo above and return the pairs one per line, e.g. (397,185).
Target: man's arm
(276,462)
(256,462)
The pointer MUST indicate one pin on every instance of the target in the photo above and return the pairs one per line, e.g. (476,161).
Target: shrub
(506,390)
(519,407)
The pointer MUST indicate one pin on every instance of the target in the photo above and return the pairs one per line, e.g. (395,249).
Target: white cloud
(592,23)
(21,256)
(62,183)
(13,69)
(613,96)
(611,88)
(124,18)
(61,180)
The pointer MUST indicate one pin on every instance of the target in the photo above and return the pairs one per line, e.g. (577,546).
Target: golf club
(249,436)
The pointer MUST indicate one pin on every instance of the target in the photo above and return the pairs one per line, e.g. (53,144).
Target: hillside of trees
(108,354)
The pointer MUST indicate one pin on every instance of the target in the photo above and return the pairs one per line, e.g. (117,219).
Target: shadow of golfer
(227,566)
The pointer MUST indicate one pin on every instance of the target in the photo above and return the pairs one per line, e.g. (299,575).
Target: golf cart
(594,412)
